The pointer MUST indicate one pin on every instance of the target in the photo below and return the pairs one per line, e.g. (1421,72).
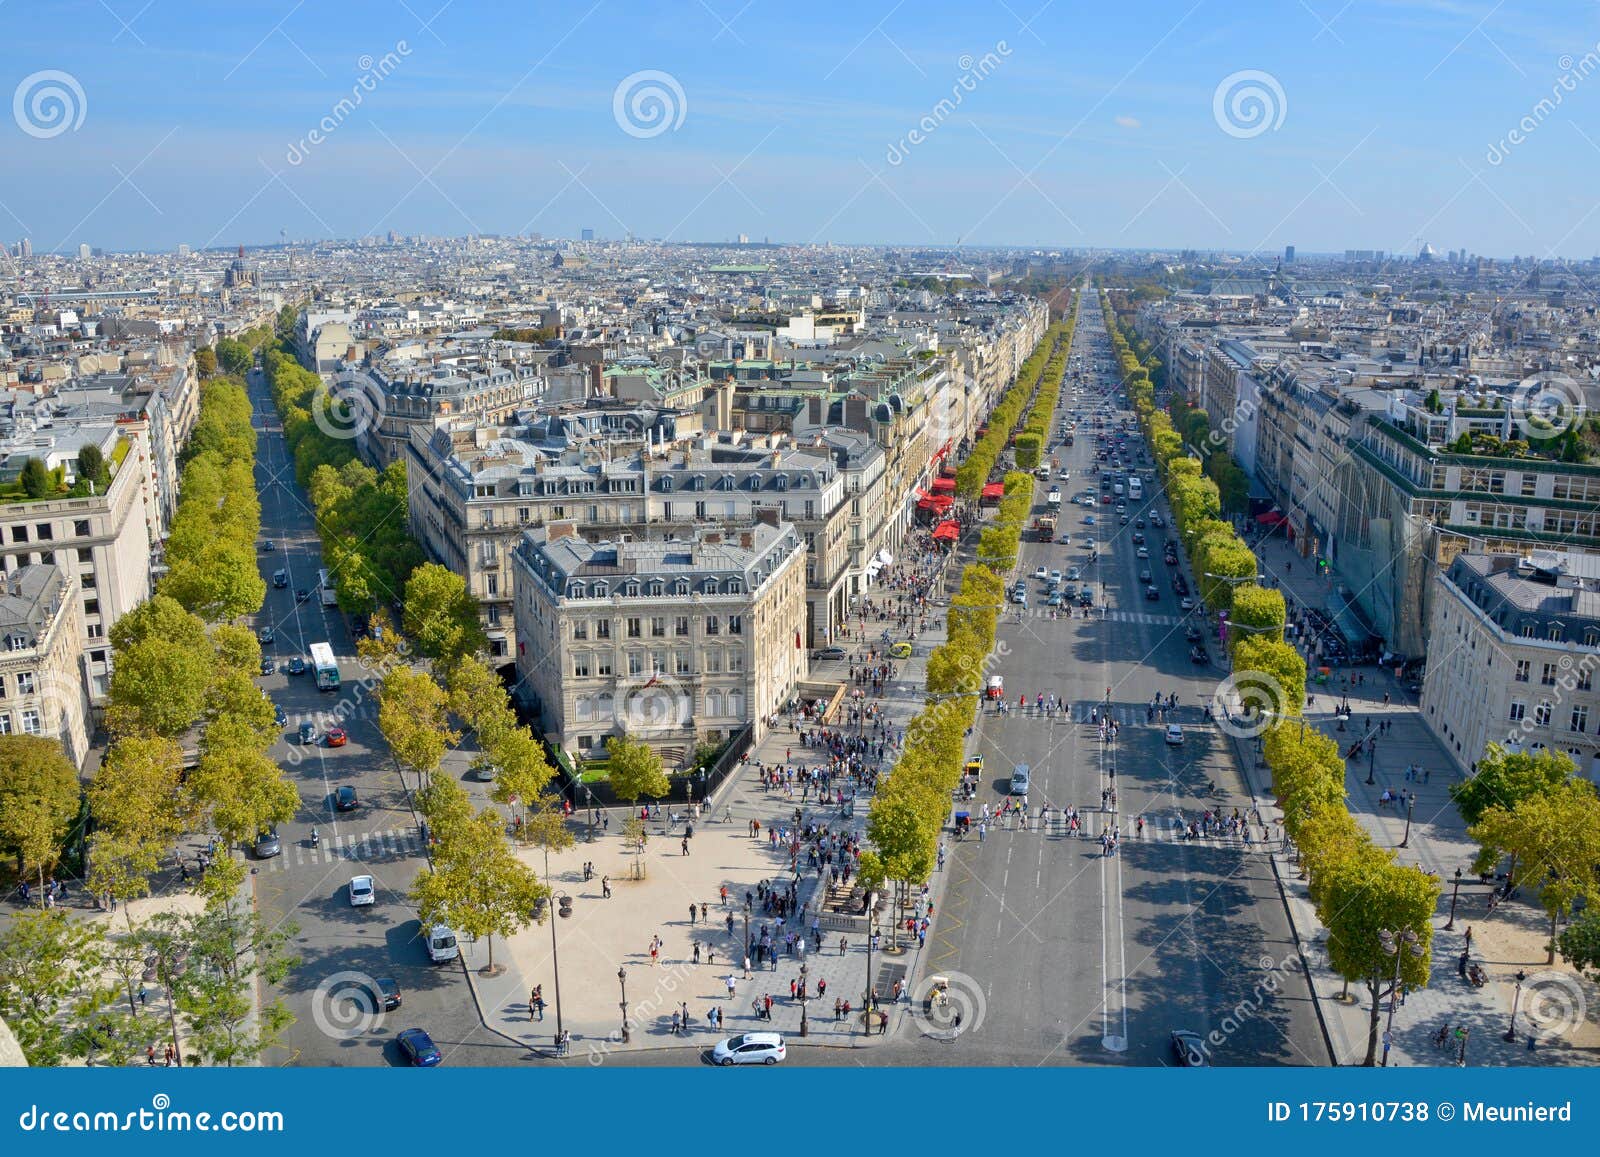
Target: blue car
(418,1049)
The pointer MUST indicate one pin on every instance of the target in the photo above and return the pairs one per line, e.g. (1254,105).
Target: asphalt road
(306,886)
(1065,955)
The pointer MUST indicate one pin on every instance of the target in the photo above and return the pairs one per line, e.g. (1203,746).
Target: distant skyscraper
(27,247)
(183,251)
(83,251)
(744,239)
(586,235)
(1288,254)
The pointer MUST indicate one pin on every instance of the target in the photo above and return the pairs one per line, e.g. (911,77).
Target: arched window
(735,704)
(604,706)
(714,704)
(583,708)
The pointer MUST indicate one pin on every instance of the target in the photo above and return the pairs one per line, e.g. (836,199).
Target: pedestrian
(605,887)
(822,988)
(844,945)
(676,1023)
(533,1009)
(170,1056)
(704,909)
(686,845)
(697,952)
(694,910)
(746,963)
(150,1055)
(731,985)
(655,955)
(142,995)
(766,1004)
(792,987)
(883,1023)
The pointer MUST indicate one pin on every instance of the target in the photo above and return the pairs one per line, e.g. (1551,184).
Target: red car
(337,737)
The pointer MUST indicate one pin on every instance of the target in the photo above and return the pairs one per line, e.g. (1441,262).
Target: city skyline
(1195,129)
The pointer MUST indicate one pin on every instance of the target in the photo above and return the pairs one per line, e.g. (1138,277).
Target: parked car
(753,1048)
(1186,603)
(828,654)
(1189,1049)
(268,667)
(418,1049)
(387,996)
(268,845)
(1193,633)
(362,891)
(280,716)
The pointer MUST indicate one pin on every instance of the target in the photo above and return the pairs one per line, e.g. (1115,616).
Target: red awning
(946,531)
(995,490)
(939,502)
(1270,518)
(944,485)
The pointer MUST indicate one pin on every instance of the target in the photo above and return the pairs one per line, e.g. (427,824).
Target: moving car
(1152,593)
(1145,576)
(1054,600)
(265,635)
(418,1049)
(345,799)
(975,764)
(362,891)
(1042,572)
(1055,576)
(753,1048)
(387,996)
(337,737)
(308,732)
(442,945)
(268,545)
(1157,521)
(1199,655)
(302,595)
(1193,633)
(995,690)
(268,845)
(297,666)
(901,650)
(280,579)
(1074,573)
(1186,603)
(1174,735)
(828,654)
(268,667)
(1189,1049)
(1142,552)
(1020,780)
(280,716)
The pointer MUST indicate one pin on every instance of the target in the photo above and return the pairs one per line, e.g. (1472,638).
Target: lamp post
(1455,892)
(1411,804)
(805,1025)
(1372,755)
(872,930)
(622,979)
(1396,946)
(1516,999)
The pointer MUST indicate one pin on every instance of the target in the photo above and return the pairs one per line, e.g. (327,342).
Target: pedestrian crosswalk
(1160,829)
(1143,617)
(1124,713)
(363,846)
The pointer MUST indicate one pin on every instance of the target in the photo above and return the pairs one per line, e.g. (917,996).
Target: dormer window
(575,590)
(709,587)
(631,589)
(698,482)
(681,587)
(666,483)
(735,586)
(600,590)
(655,588)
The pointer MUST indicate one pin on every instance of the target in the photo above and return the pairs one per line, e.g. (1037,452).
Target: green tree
(444,804)
(205,362)
(48,969)
(1284,671)
(636,771)
(1362,895)
(160,617)
(1555,837)
(35,478)
(440,616)
(1504,779)
(158,686)
(412,716)
(478,886)
(137,791)
(39,798)
(1579,943)
(238,788)
(92,465)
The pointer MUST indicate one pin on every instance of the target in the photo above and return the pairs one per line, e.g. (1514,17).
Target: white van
(442,946)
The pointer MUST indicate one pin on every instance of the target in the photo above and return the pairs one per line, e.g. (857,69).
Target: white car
(362,891)
(753,1048)
(1142,552)
(1174,735)
(1042,573)
(1055,576)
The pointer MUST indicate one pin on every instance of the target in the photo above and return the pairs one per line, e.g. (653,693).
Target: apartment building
(1513,656)
(673,641)
(41,662)
(101,542)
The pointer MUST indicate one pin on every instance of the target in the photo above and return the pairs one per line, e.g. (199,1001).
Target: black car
(1152,593)
(302,595)
(268,667)
(1144,577)
(1199,655)
(297,666)
(1138,539)
(386,993)
(345,799)
(1138,524)
(1193,633)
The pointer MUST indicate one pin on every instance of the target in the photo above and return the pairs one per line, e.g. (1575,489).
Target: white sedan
(1042,573)
(753,1048)
(362,891)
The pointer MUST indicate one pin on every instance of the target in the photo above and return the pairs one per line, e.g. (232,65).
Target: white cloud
(1127,122)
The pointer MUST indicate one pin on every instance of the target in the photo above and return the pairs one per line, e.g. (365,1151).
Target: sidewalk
(1554,999)
(605,935)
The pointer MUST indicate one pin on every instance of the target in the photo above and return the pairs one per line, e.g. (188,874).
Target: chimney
(767,515)
(711,537)
(747,539)
(556,531)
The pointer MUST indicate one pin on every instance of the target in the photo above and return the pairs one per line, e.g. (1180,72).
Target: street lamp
(1455,893)
(805,1025)
(1516,999)
(622,979)
(1396,946)
(1372,754)
(872,930)
(1411,804)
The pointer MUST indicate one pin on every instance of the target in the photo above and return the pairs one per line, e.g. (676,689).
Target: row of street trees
(1358,888)
(908,813)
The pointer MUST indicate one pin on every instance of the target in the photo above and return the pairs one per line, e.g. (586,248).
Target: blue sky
(1381,122)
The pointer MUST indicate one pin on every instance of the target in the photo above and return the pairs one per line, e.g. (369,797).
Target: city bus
(325,588)
(324,667)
